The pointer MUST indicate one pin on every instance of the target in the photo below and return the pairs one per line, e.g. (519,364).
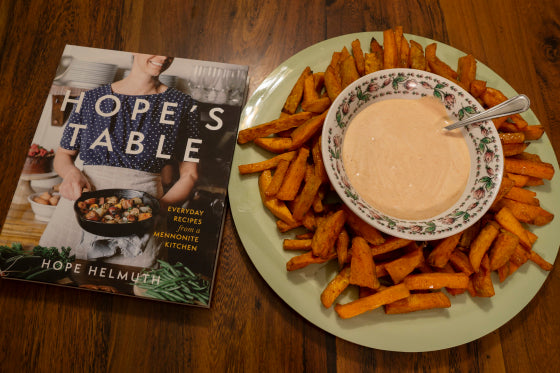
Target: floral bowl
(482,141)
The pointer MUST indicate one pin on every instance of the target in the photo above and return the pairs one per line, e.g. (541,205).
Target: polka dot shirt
(139,132)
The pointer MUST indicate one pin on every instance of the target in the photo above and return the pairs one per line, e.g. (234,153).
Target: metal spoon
(517,104)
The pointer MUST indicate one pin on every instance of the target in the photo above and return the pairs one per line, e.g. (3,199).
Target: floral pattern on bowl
(482,140)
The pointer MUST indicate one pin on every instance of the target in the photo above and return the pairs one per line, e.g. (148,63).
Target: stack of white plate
(87,74)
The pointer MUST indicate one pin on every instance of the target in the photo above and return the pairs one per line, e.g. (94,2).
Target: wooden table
(249,328)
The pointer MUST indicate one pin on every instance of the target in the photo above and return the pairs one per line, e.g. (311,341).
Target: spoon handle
(514,105)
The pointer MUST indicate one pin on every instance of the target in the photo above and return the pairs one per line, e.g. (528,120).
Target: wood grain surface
(249,328)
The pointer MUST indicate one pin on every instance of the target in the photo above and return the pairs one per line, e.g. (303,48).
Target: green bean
(178,284)
(173,296)
(154,294)
(169,267)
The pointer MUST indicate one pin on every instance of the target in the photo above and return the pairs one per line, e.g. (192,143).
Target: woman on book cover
(126,134)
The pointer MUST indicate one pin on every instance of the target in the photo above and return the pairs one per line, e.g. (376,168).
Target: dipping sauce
(401,160)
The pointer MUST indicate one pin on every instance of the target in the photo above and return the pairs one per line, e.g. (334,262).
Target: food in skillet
(112,210)
(397,274)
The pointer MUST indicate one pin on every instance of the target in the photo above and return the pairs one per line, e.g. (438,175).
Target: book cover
(124,186)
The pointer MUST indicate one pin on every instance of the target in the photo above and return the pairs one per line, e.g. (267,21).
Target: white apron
(63,229)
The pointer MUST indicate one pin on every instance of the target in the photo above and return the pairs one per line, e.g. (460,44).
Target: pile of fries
(399,274)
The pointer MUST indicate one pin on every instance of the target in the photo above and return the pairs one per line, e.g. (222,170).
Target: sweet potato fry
(502,249)
(283,227)
(319,79)
(482,243)
(348,71)
(304,200)
(363,229)
(527,213)
(371,302)
(312,102)
(519,180)
(512,137)
(449,269)
(492,97)
(362,267)
(460,262)
(309,128)
(309,92)
(505,124)
(528,157)
(418,302)
(366,292)
(436,280)
(404,52)
(514,149)
(309,222)
(503,272)
(469,234)
(342,244)
(295,244)
(296,94)
(523,195)
(267,164)
(440,254)
(318,163)
(358,55)
(390,53)
(332,83)
(417,58)
(399,268)
(277,178)
(326,234)
(481,280)
(335,58)
(277,207)
(294,176)
(275,144)
(335,287)
(509,222)
(528,167)
(275,126)
(518,121)
(520,256)
(533,132)
(318,206)
(305,259)
(478,87)
(466,70)
(390,244)
(534,181)
(439,67)
(344,54)
(304,236)
(398,30)
(538,260)
(374,59)
(532,236)
(505,187)
(318,106)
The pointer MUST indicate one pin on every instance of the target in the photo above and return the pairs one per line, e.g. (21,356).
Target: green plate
(466,320)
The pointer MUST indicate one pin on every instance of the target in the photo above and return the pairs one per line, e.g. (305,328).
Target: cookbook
(123,189)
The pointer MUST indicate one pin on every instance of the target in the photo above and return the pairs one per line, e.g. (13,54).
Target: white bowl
(45,185)
(482,141)
(42,212)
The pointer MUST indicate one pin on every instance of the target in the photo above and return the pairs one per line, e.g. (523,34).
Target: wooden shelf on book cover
(21,226)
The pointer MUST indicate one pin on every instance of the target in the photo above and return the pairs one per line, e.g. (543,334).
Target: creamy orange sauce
(402,161)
